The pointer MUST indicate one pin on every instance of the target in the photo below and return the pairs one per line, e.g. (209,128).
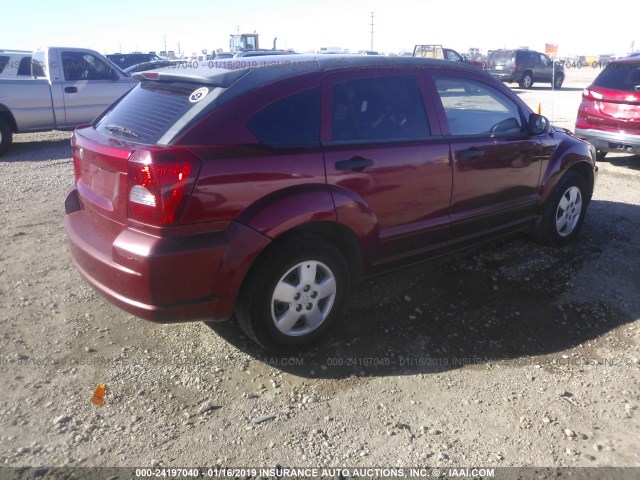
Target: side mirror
(637,88)
(538,124)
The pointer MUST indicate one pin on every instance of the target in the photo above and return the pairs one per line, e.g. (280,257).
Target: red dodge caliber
(265,189)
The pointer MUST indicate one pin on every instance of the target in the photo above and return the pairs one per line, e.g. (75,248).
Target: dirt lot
(511,355)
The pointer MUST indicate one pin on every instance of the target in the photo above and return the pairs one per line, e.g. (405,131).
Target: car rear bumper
(611,141)
(163,279)
(505,77)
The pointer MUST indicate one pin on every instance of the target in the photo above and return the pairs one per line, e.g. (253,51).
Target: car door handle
(470,153)
(356,164)
(70,89)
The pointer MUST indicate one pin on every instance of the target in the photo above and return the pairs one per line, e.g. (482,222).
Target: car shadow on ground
(38,151)
(631,162)
(500,302)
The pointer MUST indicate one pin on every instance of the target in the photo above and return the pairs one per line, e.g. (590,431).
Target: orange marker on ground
(98,395)
(539,108)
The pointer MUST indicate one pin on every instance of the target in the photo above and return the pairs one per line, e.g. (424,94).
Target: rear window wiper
(118,129)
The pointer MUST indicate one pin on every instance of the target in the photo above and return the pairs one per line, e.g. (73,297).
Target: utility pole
(372,24)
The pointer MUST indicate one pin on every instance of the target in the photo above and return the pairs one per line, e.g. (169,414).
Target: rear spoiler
(217,77)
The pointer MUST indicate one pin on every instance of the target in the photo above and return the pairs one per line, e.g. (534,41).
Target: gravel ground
(511,355)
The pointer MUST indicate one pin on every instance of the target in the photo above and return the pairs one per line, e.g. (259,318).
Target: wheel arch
(586,170)
(6,115)
(569,155)
(339,236)
(333,213)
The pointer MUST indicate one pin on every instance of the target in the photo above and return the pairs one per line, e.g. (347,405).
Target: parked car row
(265,193)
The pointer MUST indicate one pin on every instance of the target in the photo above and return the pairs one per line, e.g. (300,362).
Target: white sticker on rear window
(198,94)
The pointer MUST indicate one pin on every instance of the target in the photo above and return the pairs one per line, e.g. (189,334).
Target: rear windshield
(502,56)
(620,76)
(148,111)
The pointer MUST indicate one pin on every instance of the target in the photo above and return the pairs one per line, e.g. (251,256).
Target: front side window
(473,108)
(293,122)
(84,66)
(378,109)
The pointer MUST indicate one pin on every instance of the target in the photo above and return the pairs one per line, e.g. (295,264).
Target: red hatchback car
(264,191)
(609,114)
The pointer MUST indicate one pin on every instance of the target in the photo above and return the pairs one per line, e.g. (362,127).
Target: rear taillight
(159,184)
(77,167)
(588,94)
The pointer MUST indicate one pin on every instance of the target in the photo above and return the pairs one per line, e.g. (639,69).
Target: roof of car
(273,67)
(635,59)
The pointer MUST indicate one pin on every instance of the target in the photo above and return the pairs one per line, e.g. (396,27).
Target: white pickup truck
(67,87)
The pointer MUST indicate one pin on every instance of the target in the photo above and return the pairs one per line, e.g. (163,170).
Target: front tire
(6,136)
(526,81)
(294,293)
(564,211)
(600,154)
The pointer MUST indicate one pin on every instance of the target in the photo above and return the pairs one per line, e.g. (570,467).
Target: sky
(193,25)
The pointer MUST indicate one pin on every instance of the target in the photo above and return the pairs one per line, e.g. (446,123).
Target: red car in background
(609,114)
(266,190)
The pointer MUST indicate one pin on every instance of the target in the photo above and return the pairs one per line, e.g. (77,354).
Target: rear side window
(25,66)
(378,109)
(150,110)
(4,61)
(289,123)
(620,76)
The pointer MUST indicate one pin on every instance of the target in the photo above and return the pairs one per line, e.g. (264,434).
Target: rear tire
(294,293)
(526,81)
(563,212)
(600,155)
(557,83)
(6,136)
